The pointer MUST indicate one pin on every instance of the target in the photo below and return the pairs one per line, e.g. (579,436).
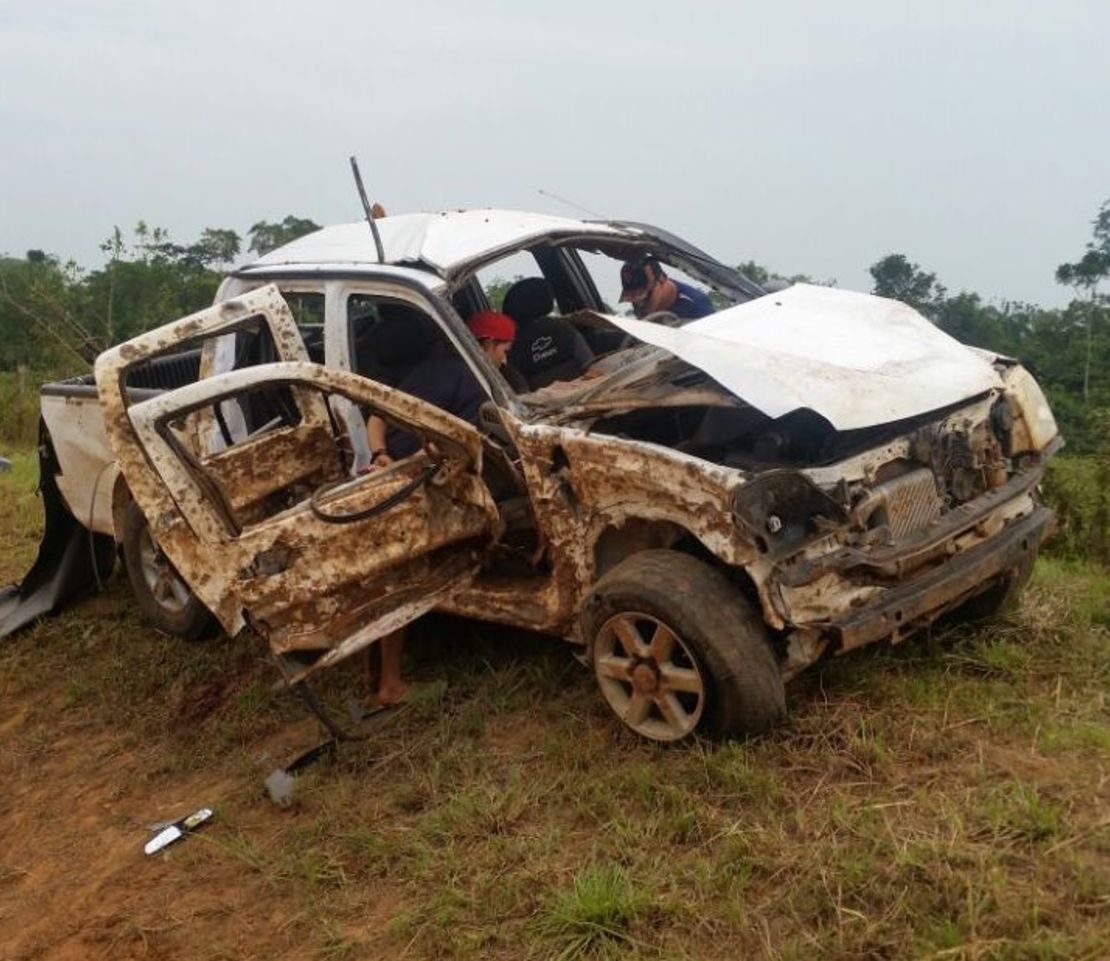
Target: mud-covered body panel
(305,579)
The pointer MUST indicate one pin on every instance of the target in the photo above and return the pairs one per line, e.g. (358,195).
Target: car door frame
(182,515)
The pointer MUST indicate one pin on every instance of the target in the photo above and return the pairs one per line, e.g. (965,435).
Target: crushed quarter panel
(583,485)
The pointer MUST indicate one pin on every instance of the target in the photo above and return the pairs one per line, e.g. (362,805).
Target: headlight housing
(1034,426)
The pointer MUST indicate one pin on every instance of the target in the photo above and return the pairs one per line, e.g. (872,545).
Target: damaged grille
(910,501)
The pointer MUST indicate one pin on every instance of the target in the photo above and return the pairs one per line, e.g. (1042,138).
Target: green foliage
(266,236)
(1068,350)
(150,281)
(1017,812)
(764,276)
(19,409)
(55,318)
(1078,490)
(34,291)
(1094,266)
(599,907)
(496,290)
(897,278)
(1085,275)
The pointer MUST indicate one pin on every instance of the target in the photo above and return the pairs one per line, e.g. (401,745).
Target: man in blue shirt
(649,289)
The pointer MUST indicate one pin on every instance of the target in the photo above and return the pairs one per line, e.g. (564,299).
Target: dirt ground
(74,816)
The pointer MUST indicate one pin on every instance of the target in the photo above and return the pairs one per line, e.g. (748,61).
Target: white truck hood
(856,359)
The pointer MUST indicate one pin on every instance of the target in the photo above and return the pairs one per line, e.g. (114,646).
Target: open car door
(272,528)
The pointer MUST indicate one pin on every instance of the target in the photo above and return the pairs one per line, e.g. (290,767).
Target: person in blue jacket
(645,285)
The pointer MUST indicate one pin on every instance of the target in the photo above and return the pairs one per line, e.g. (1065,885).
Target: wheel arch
(121,501)
(614,544)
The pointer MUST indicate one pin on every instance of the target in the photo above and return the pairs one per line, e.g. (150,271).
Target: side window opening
(249,344)
(604,269)
(536,288)
(498,278)
(294,448)
(398,344)
(387,337)
(307,308)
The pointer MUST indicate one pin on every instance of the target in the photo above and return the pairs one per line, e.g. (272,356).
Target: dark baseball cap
(634,274)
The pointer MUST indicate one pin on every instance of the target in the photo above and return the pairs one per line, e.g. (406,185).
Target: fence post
(21,378)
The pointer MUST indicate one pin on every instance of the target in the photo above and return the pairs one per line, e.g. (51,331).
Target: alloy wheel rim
(163,582)
(649,676)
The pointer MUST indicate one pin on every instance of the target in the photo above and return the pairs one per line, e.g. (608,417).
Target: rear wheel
(677,648)
(164,599)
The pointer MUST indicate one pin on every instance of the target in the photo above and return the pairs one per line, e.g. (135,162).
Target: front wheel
(677,648)
(1001,596)
(164,599)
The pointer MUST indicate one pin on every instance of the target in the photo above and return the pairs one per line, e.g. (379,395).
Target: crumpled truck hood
(855,359)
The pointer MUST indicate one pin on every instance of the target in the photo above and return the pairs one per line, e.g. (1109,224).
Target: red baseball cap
(492,324)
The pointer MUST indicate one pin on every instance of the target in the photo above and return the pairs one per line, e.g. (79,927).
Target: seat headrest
(528,299)
(402,335)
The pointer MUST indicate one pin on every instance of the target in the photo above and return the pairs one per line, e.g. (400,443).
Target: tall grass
(1078,490)
(19,401)
(19,409)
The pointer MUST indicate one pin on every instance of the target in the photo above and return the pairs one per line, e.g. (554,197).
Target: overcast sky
(809,136)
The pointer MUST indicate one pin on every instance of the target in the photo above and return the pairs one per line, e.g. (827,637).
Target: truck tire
(676,648)
(164,599)
(1000,596)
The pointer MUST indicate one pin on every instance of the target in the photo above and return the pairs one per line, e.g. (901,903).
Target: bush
(19,409)
(1078,490)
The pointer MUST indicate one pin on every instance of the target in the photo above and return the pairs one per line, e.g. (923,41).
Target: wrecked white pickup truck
(705,507)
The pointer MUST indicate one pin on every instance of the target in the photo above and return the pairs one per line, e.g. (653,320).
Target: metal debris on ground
(176,830)
(279,785)
(280,782)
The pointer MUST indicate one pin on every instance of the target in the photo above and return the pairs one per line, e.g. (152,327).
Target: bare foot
(392,693)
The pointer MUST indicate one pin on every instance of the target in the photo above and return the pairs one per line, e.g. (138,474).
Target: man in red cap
(495,333)
(444,379)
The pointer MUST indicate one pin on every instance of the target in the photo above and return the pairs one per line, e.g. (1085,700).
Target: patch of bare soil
(74,881)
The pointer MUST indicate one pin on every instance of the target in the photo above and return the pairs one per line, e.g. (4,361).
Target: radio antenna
(369,212)
(571,203)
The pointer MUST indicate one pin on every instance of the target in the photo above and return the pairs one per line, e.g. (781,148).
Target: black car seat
(546,348)
(400,338)
(388,340)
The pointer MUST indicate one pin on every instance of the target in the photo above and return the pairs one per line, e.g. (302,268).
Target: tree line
(55,316)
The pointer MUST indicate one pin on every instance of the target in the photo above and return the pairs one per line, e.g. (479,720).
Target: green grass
(1078,490)
(19,409)
(944,799)
(594,913)
(22,519)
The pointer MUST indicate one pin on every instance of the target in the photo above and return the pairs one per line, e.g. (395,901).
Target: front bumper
(908,605)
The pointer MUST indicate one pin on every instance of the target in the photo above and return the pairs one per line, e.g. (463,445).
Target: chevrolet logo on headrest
(543,348)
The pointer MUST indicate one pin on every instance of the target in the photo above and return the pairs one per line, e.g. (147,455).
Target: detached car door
(272,528)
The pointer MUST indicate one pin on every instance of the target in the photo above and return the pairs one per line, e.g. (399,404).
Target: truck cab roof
(441,244)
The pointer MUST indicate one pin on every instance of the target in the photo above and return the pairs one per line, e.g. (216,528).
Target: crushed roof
(442,241)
